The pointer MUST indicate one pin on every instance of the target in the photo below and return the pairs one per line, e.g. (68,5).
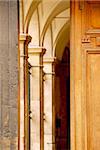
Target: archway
(49,28)
(62,102)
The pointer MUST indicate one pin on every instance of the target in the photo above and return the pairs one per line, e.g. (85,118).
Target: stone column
(49,106)
(23,125)
(36,61)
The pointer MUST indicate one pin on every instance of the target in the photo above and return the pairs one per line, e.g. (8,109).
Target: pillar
(36,104)
(23,122)
(49,106)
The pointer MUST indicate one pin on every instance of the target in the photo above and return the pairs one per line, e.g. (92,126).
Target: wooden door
(85,75)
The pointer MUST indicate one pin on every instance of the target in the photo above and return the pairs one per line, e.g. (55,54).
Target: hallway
(46,25)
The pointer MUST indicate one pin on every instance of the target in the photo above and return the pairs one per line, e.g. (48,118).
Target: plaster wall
(8,75)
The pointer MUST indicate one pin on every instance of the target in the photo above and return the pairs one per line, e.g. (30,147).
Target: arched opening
(62,102)
(49,117)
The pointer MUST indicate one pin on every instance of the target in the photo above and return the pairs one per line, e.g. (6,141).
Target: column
(36,104)
(23,114)
(49,106)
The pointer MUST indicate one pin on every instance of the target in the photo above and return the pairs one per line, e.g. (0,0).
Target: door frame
(76,76)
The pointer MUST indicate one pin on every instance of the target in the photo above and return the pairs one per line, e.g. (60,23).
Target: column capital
(36,50)
(49,64)
(49,60)
(25,37)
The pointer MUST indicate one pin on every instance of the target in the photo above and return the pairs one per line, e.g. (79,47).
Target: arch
(58,9)
(62,40)
(30,12)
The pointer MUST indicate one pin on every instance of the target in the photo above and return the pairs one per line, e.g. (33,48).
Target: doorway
(62,102)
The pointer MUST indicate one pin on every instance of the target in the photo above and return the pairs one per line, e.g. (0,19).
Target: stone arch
(30,12)
(57,10)
(62,40)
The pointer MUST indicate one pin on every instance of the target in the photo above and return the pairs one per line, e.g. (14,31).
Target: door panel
(93,15)
(91,70)
(93,101)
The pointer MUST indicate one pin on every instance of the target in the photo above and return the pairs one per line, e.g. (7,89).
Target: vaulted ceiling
(48,22)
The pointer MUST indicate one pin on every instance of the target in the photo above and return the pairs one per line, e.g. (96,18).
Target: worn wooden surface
(85,76)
